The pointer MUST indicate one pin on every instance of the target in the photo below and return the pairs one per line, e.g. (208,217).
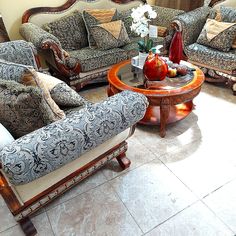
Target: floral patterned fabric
(165,16)
(110,35)
(91,59)
(226,14)
(23,109)
(94,17)
(191,24)
(212,57)
(13,71)
(222,41)
(70,31)
(19,51)
(52,146)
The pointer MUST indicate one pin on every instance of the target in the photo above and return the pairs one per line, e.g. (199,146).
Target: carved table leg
(123,161)
(164,110)
(27,227)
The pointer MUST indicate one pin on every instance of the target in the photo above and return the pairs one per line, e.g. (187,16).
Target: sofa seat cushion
(211,57)
(91,59)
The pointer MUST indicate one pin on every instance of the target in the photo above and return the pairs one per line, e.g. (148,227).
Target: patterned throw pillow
(60,92)
(23,109)
(218,35)
(94,17)
(70,31)
(110,35)
(226,14)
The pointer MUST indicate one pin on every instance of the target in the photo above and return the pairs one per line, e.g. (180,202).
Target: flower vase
(142,58)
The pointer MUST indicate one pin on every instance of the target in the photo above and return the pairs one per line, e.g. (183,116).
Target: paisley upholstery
(215,63)
(56,144)
(91,59)
(223,40)
(94,17)
(212,57)
(19,51)
(70,31)
(110,35)
(23,109)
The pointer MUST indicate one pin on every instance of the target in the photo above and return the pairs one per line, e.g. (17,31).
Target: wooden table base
(166,114)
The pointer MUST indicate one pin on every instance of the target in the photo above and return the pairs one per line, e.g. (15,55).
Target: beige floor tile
(138,155)
(201,166)
(97,212)
(41,224)
(152,194)
(91,182)
(223,203)
(196,220)
(6,218)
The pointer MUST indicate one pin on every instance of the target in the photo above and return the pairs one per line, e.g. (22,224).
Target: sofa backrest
(43,15)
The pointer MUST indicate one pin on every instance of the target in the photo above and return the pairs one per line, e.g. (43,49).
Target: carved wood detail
(3,32)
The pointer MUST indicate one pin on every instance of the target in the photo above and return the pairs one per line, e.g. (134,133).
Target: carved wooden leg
(164,110)
(27,227)
(123,161)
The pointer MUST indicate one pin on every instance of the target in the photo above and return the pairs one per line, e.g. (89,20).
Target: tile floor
(182,185)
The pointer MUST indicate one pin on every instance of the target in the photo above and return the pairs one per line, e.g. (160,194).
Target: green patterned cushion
(94,17)
(110,35)
(70,30)
(23,109)
(218,35)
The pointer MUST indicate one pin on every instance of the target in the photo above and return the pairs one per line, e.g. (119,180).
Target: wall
(12,11)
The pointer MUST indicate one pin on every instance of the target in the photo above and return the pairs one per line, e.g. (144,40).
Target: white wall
(12,11)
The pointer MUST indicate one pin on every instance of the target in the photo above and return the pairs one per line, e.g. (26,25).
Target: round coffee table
(170,100)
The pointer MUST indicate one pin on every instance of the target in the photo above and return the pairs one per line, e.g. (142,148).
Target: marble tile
(91,182)
(196,220)
(152,194)
(6,218)
(138,155)
(41,224)
(223,203)
(94,93)
(201,166)
(96,212)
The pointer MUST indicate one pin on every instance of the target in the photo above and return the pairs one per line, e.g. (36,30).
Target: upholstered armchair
(217,61)
(54,138)
(63,40)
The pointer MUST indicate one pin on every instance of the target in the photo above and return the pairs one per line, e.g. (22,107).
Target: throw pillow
(5,137)
(23,109)
(218,35)
(31,79)
(226,14)
(110,35)
(94,17)
(60,92)
(70,31)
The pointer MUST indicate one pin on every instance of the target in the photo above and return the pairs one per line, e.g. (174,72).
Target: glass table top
(134,77)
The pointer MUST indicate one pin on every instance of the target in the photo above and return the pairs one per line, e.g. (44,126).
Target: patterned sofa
(81,65)
(218,65)
(43,160)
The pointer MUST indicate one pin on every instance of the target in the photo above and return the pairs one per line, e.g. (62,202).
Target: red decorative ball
(155,68)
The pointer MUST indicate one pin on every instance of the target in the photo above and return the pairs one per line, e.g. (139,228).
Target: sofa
(210,42)
(66,50)
(51,137)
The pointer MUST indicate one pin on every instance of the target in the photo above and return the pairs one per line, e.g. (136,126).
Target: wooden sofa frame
(60,70)
(22,212)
